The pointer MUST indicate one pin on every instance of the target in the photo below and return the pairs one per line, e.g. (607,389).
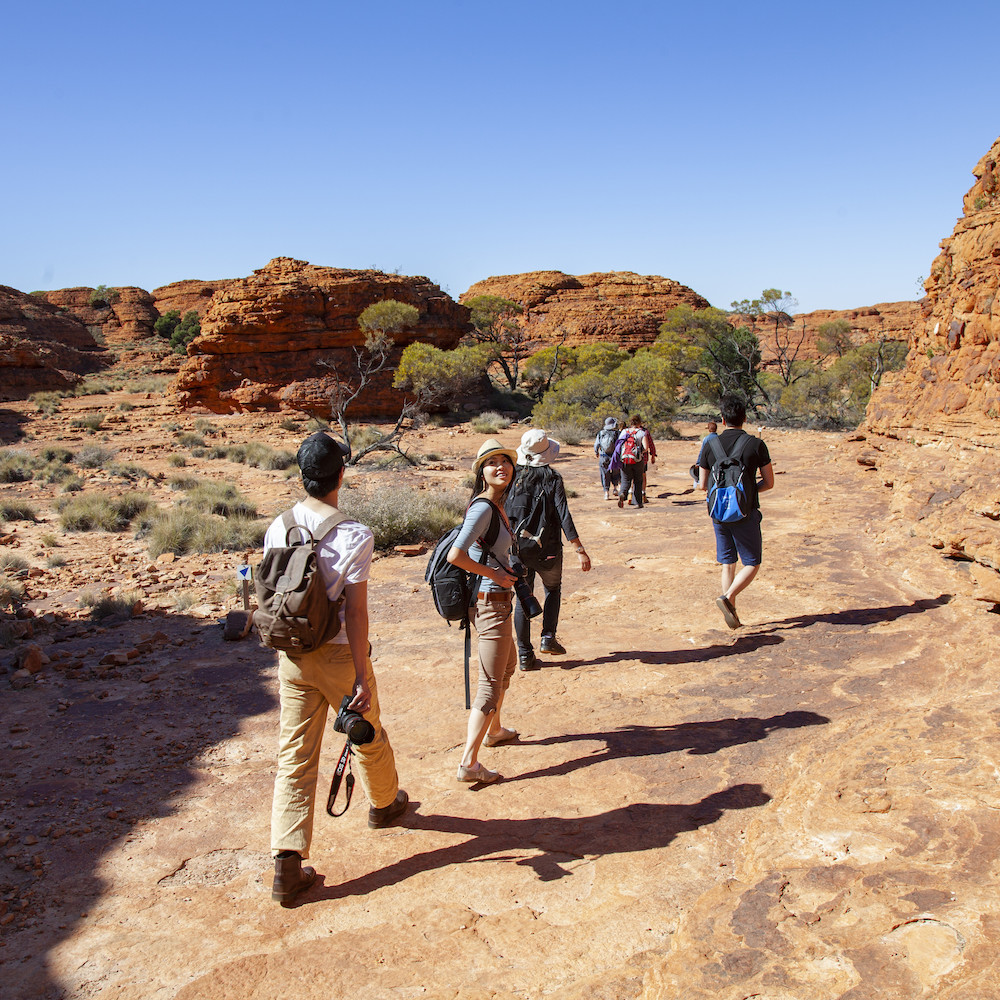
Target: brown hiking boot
(290,878)
(386,815)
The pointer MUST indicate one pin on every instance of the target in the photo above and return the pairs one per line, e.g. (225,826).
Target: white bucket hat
(536,448)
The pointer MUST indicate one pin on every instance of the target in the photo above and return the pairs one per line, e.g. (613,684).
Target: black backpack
(727,494)
(530,512)
(454,589)
(293,613)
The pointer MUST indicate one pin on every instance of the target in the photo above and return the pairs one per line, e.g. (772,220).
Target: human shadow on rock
(745,643)
(11,423)
(113,747)
(548,844)
(856,616)
(645,741)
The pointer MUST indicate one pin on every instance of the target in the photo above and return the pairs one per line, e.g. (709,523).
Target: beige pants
(308,686)
(497,651)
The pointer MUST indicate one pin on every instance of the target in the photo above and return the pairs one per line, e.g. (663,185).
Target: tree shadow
(549,844)
(103,749)
(698,738)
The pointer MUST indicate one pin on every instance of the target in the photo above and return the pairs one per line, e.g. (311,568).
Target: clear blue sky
(822,148)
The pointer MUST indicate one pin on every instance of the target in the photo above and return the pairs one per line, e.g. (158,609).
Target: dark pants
(631,476)
(552,585)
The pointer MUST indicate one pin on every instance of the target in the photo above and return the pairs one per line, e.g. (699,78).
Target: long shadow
(547,844)
(856,616)
(98,750)
(11,423)
(746,643)
(644,741)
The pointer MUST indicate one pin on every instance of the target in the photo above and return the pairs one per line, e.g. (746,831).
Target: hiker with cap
(309,683)
(539,512)
(604,448)
(739,538)
(494,469)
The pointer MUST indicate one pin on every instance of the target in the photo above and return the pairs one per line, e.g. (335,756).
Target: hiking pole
(468,653)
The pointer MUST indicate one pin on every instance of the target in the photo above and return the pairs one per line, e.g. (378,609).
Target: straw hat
(492,447)
(536,448)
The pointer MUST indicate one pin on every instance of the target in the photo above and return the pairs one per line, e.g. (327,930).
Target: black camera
(352,724)
(527,600)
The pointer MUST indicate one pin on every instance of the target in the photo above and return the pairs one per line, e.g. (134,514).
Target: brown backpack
(293,613)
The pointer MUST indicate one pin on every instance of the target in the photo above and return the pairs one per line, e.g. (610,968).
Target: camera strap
(342,764)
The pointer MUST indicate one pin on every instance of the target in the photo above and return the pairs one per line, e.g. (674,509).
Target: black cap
(321,457)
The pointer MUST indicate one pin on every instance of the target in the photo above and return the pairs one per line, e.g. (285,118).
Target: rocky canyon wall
(267,340)
(933,429)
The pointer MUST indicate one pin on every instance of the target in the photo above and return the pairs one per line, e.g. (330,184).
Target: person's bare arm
(460,558)
(766,478)
(702,478)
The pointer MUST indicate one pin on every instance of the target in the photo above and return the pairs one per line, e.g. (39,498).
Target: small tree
(378,321)
(436,377)
(834,338)
(102,297)
(494,324)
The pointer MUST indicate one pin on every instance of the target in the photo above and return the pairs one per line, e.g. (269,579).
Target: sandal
(501,736)
(477,774)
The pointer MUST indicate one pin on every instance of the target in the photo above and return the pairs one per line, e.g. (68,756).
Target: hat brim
(481,460)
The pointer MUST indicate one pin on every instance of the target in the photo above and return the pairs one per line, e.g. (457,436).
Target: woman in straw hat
(494,469)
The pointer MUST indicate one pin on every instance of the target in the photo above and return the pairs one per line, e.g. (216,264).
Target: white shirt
(345,554)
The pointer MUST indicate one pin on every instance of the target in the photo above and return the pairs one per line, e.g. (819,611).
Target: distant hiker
(712,427)
(633,450)
(604,447)
(650,459)
(310,683)
(540,516)
(744,455)
(494,469)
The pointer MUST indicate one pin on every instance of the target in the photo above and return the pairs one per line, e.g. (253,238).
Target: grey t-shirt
(475,525)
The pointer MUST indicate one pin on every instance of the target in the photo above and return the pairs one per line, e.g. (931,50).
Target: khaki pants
(308,686)
(497,651)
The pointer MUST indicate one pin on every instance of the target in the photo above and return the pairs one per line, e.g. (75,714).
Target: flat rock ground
(806,807)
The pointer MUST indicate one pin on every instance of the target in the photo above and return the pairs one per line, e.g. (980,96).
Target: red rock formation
(263,338)
(128,318)
(186,295)
(933,426)
(617,306)
(41,346)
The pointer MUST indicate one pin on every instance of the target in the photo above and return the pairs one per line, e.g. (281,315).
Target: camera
(353,725)
(527,600)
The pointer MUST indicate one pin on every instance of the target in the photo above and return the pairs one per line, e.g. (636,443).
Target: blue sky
(821,148)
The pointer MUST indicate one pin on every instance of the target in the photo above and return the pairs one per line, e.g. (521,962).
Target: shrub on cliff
(180,331)
(102,297)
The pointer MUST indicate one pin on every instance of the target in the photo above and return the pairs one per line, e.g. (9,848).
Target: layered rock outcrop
(126,318)
(268,340)
(934,427)
(186,295)
(41,346)
(617,306)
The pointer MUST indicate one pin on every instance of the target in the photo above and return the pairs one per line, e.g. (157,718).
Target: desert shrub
(432,456)
(11,563)
(53,453)
(151,383)
(176,461)
(489,422)
(183,599)
(130,472)
(16,466)
(109,607)
(55,561)
(56,472)
(205,453)
(259,456)
(72,485)
(17,510)
(92,387)
(171,427)
(361,437)
(183,530)
(11,590)
(89,422)
(95,512)
(190,440)
(125,406)
(47,402)
(49,540)
(571,432)
(94,456)
(289,424)
(399,516)
(220,498)
(204,426)
(182,482)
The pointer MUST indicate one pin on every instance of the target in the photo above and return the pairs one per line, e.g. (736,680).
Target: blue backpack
(727,495)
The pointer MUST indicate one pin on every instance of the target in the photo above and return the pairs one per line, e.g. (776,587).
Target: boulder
(267,341)
(620,307)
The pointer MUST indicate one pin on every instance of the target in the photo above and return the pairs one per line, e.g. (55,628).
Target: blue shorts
(740,538)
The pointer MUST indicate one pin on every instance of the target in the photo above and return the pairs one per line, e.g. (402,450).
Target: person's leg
(522,623)
(302,719)
(551,578)
(739,582)
(496,653)
(747,539)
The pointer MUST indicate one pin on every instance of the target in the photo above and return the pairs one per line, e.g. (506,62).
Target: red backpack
(631,449)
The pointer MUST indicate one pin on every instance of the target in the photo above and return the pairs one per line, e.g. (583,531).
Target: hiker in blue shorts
(741,538)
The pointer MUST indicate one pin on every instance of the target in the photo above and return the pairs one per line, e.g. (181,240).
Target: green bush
(95,512)
(17,510)
(53,453)
(183,530)
(489,422)
(220,498)
(16,466)
(55,561)
(401,516)
(102,297)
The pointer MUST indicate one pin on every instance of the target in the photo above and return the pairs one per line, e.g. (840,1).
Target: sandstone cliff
(264,337)
(617,306)
(128,318)
(41,346)
(933,427)
(186,295)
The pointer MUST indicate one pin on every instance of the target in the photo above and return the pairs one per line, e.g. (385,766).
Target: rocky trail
(804,808)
